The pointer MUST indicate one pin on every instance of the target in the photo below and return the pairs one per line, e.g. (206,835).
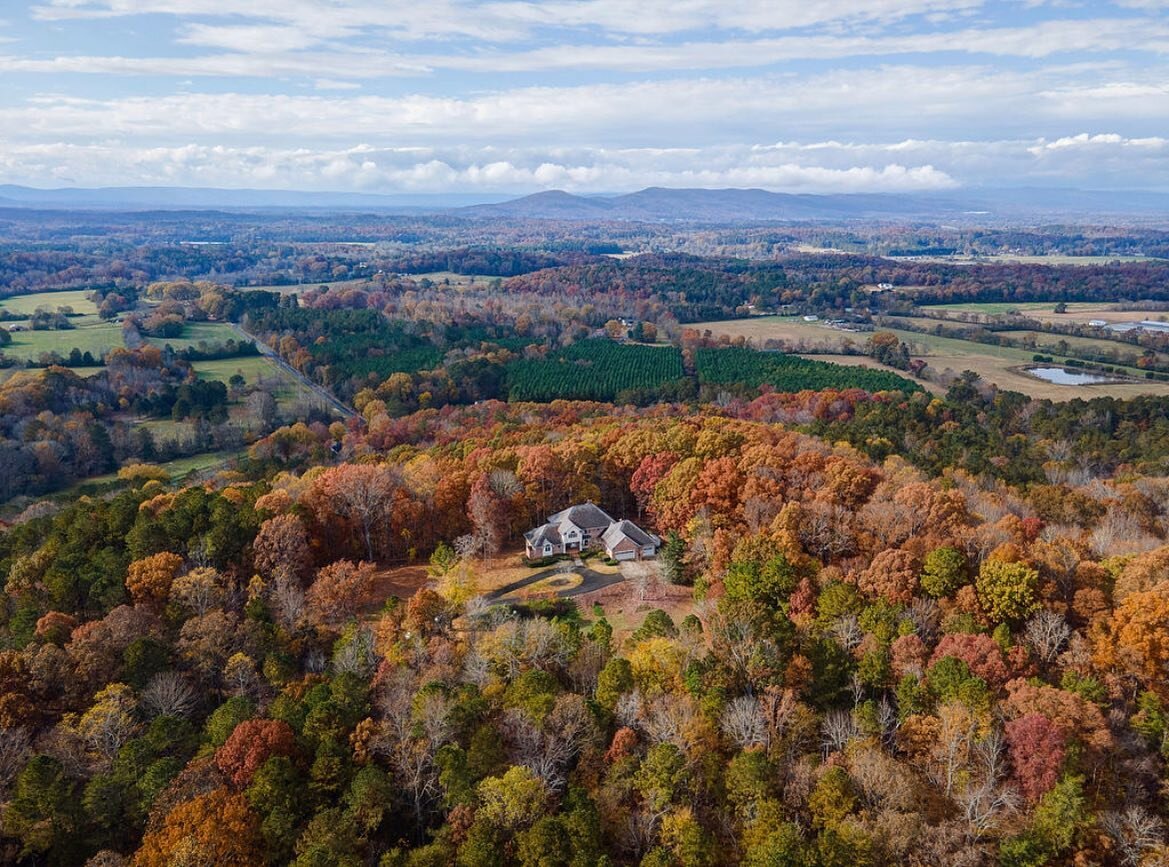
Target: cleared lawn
(195,333)
(28,304)
(98,339)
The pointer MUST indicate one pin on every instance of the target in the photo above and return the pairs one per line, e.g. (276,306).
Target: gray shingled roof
(548,533)
(585,516)
(627,529)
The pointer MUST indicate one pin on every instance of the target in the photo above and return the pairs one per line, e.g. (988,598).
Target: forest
(885,625)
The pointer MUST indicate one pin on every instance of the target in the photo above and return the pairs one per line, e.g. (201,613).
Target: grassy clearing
(97,339)
(28,304)
(812,335)
(1096,344)
(450,278)
(1019,259)
(178,469)
(297,288)
(195,333)
(255,369)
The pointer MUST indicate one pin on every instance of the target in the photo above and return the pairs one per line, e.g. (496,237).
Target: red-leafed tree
(1037,747)
(251,744)
(979,652)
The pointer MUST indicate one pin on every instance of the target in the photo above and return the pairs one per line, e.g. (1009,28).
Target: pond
(1060,376)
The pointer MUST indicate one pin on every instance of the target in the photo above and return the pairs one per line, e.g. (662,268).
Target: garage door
(625,555)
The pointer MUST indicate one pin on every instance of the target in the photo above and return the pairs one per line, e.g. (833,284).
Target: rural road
(320,391)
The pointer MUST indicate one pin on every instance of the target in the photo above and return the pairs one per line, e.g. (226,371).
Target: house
(584,526)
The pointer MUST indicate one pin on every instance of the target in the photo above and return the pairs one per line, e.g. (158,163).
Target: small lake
(1060,376)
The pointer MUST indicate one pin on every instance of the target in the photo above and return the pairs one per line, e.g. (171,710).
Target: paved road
(320,391)
(589,582)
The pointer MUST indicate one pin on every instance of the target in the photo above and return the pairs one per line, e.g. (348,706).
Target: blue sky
(585,95)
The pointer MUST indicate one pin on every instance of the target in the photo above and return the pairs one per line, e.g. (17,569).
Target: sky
(514,96)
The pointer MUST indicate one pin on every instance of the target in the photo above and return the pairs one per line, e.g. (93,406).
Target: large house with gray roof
(585,526)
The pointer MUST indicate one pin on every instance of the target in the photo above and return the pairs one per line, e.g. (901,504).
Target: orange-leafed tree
(1134,641)
(150,578)
(216,828)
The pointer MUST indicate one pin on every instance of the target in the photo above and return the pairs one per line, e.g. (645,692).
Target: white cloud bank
(820,167)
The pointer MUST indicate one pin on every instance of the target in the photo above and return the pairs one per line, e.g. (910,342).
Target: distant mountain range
(654,204)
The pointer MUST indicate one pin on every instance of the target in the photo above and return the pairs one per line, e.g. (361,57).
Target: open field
(98,339)
(28,304)
(998,364)
(996,308)
(1021,259)
(178,469)
(813,336)
(445,278)
(195,333)
(255,369)
(297,288)
(1082,316)
(1096,344)
(1044,311)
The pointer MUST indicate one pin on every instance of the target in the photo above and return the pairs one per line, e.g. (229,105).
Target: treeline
(490,261)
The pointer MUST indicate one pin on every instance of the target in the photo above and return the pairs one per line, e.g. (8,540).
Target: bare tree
(548,749)
(15,746)
(1135,831)
(168,694)
(1047,633)
(743,723)
(837,730)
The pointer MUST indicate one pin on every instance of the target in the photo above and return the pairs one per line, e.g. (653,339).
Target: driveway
(589,581)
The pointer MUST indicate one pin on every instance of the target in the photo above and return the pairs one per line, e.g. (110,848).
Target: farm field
(997,364)
(297,288)
(28,304)
(1098,344)
(451,278)
(996,308)
(98,339)
(814,335)
(195,333)
(1021,259)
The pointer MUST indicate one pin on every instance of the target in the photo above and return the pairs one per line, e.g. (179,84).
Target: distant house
(585,526)
(811,317)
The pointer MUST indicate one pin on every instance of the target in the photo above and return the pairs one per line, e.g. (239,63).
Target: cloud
(813,167)
(909,101)
(497,21)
